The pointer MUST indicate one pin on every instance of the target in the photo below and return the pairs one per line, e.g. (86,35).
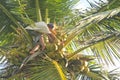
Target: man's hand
(43,47)
(34,49)
(32,52)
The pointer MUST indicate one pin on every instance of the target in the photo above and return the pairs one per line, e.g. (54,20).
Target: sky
(83,4)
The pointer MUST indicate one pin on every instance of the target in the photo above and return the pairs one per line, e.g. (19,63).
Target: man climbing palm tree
(37,30)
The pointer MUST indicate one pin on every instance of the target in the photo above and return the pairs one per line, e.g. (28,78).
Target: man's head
(50,25)
(51,28)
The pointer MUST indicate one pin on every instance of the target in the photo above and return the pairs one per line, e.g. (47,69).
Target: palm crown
(91,43)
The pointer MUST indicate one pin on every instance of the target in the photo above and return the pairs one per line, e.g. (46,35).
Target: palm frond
(59,70)
(95,18)
(15,22)
(114,74)
(104,47)
(8,14)
(46,70)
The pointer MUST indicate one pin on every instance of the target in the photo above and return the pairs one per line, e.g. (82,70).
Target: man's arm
(41,42)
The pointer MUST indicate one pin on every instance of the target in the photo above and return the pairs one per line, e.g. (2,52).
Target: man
(38,30)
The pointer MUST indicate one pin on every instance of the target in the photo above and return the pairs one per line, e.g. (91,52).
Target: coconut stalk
(38,12)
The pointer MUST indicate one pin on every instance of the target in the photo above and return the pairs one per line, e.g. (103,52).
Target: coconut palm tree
(88,44)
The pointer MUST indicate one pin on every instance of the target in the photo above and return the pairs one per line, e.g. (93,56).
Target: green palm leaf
(44,70)
(15,22)
(88,20)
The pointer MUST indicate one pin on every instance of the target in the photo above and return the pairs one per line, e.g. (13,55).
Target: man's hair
(50,25)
